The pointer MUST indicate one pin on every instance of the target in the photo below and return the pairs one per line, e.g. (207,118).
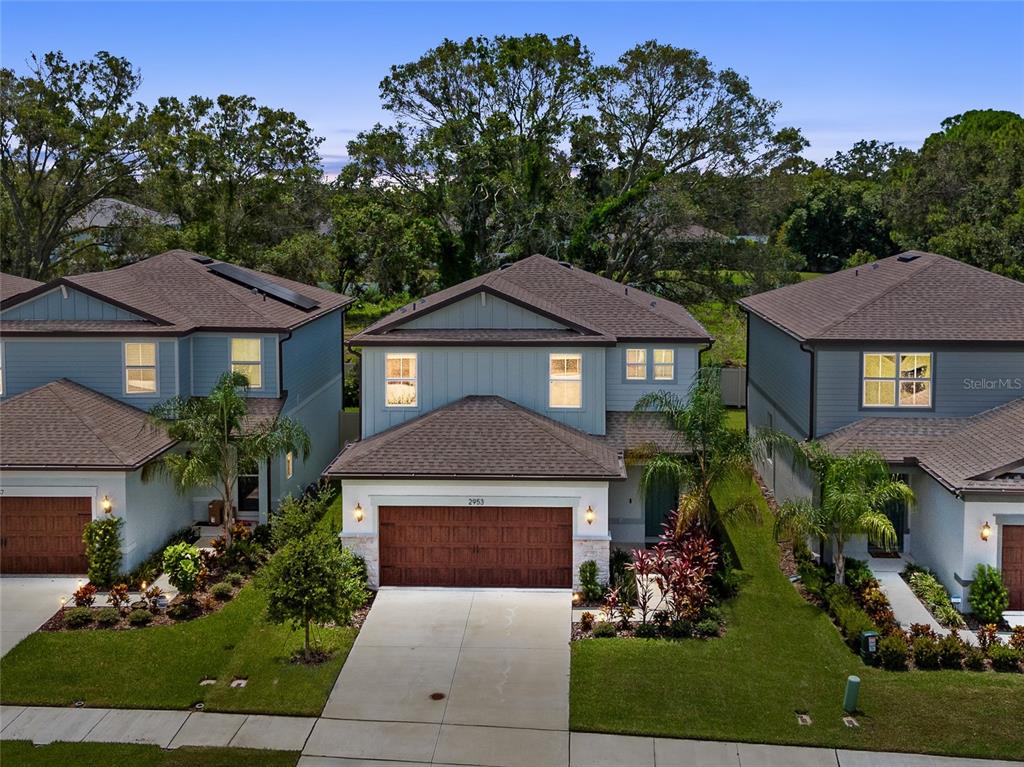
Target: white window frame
(554,378)
(897,380)
(127,366)
(258,363)
(671,364)
(412,377)
(641,364)
(3,372)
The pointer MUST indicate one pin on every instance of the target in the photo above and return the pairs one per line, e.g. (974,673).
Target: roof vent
(653,303)
(566,264)
(906,258)
(505,265)
(202,259)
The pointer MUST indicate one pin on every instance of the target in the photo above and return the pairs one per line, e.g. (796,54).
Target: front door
(661,497)
(1013,563)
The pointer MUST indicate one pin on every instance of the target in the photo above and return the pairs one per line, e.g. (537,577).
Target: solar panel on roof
(906,258)
(254,281)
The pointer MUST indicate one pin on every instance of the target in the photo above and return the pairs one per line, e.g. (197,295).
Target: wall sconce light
(589,515)
(986,531)
(357,512)
(106,504)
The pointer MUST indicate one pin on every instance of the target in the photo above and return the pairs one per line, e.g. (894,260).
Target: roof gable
(585,302)
(65,302)
(914,296)
(482,309)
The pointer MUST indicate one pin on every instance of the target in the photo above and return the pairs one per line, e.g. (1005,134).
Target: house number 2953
(476,501)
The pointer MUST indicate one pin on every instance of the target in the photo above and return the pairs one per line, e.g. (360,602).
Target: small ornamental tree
(311,579)
(184,567)
(989,597)
(102,538)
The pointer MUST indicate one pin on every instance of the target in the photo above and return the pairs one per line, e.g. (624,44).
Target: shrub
(726,580)
(221,591)
(622,576)
(949,616)
(84,595)
(588,581)
(184,567)
(1004,658)
(893,652)
(836,595)
(604,630)
(77,617)
(926,653)
(988,637)
(974,659)
(108,616)
(989,597)
(922,630)
(245,554)
(813,577)
(645,631)
(679,629)
(119,596)
(951,652)
(140,617)
(235,579)
(713,613)
(1017,638)
(297,517)
(102,538)
(587,621)
(852,622)
(706,628)
(858,575)
(876,605)
(928,589)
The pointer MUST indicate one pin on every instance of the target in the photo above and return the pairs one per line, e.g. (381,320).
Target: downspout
(811,401)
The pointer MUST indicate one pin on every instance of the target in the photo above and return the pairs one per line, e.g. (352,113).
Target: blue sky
(842,71)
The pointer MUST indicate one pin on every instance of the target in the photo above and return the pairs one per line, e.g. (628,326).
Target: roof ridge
(860,307)
(82,418)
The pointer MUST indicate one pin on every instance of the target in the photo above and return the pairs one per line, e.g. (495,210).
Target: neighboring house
(497,428)
(109,211)
(920,358)
(83,358)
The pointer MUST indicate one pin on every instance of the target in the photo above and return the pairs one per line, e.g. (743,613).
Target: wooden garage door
(1013,563)
(475,546)
(43,535)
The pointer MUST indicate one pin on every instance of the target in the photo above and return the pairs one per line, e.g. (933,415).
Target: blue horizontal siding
(97,364)
(519,374)
(77,306)
(781,371)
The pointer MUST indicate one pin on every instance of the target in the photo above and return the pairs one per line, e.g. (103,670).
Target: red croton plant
(673,576)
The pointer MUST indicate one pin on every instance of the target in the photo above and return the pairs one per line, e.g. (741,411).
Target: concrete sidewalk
(399,744)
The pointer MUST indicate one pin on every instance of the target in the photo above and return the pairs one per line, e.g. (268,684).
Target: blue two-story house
(920,358)
(498,430)
(83,358)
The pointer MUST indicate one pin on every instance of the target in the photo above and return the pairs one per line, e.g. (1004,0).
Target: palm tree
(854,492)
(220,441)
(718,452)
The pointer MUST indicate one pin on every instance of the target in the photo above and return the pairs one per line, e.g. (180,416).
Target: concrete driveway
(448,675)
(26,602)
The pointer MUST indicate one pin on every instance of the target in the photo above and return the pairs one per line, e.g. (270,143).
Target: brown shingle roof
(12,285)
(641,432)
(914,296)
(588,303)
(964,454)
(178,294)
(480,436)
(63,425)
(486,337)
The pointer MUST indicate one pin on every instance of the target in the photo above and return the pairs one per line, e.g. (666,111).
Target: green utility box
(869,646)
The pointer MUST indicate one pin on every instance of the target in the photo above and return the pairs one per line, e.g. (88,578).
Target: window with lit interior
(636,364)
(893,379)
(247,359)
(565,381)
(400,380)
(140,368)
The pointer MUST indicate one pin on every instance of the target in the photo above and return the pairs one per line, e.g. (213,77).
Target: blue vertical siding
(185,366)
(77,306)
(519,374)
(311,357)
(781,372)
(483,312)
(965,381)
(211,358)
(95,363)
(320,416)
(621,395)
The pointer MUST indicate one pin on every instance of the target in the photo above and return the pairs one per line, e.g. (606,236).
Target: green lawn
(161,667)
(736,419)
(781,655)
(121,755)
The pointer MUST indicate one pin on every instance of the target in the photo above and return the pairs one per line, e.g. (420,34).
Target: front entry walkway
(453,675)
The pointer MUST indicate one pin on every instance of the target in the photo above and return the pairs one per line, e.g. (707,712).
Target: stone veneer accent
(590,548)
(365,546)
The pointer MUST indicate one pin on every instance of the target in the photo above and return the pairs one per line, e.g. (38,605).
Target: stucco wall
(154,510)
(626,510)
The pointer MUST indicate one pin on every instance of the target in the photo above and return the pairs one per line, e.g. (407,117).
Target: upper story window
(400,380)
(664,364)
(636,364)
(897,380)
(140,368)
(247,359)
(565,381)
